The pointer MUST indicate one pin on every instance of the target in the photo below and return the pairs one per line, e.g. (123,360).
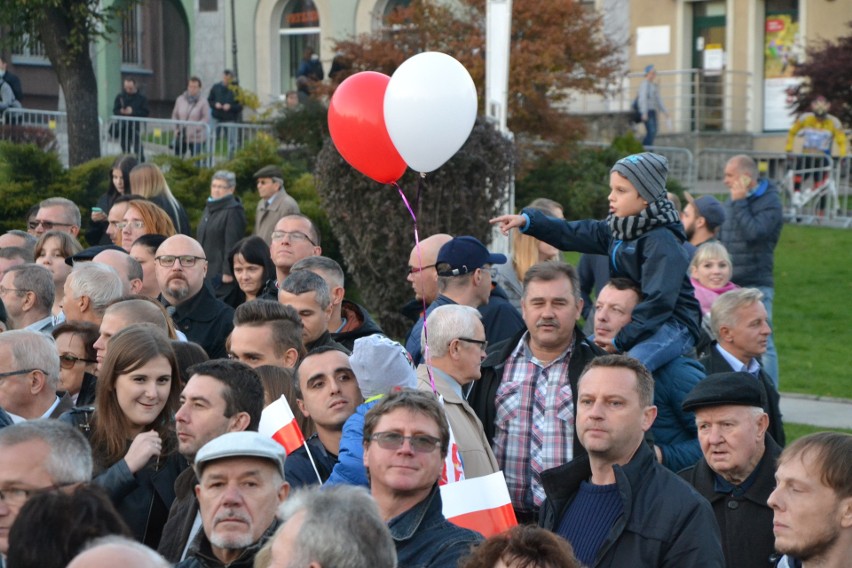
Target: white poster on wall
(777,114)
(653,40)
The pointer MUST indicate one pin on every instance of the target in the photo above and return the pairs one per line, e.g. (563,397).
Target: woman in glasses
(132,433)
(144,218)
(51,250)
(77,360)
(252,268)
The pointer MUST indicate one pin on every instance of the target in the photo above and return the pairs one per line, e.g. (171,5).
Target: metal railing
(143,137)
(681,163)
(696,100)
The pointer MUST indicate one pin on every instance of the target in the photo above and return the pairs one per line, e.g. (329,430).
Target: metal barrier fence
(681,163)
(697,100)
(143,137)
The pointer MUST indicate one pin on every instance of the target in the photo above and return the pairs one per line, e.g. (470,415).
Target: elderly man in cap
(737,473)
(274,203)
(464,277)
(240,486)
(702,218)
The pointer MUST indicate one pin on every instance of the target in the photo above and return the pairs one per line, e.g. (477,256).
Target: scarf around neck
(657,214)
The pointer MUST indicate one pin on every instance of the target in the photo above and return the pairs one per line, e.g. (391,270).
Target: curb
(816,397)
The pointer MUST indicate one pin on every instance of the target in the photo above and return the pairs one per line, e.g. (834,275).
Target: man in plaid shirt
(525,398)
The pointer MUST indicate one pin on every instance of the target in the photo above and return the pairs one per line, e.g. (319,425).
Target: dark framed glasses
(67,361)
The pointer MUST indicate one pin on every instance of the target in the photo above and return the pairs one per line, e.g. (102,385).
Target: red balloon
(356,121)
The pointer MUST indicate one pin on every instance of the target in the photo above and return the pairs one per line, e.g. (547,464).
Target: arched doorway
(299,30)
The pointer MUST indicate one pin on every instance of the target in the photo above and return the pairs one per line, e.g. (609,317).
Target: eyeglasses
(4,290)
(68,361)
(492,270)
(294,236)
(483,343)
(133,224)
(48,225)
(422,444)
(17,497)
(186,260)
(19,372)
(415,269)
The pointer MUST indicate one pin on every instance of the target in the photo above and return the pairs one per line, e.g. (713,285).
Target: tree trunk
(76,75)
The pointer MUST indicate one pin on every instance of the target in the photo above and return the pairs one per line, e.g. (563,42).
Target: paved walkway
(808,409)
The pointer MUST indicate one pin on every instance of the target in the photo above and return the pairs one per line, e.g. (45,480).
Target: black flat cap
(90,253)
(269,172)
(722,389)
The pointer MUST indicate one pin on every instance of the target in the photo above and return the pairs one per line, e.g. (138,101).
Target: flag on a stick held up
(481,504)
(277,422)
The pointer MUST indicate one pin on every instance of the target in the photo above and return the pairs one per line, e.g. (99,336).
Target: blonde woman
(148,181)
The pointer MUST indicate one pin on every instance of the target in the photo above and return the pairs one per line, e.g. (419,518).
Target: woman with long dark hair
(119,184)
(132,434)
(252,268)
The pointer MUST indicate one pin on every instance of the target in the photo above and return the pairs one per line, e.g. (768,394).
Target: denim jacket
(425,539)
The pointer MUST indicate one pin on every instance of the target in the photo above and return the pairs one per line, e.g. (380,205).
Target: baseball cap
(463,255)
(708,207)
(240,444)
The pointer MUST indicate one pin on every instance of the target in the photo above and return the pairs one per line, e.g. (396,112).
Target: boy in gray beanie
(381,366)
(643,239)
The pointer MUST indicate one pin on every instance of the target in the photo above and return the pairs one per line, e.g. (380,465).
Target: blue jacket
(750,232)
(674,430)
(299,471)
(349,469)
(424,538)
(656,261)
(665,521)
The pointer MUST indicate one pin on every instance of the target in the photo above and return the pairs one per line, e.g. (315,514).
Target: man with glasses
(526,398)
(295,237)
(56,213)
(38,456)
(29,376)
(456,340)
(274,204)
(464,268)
(27,291)
(406,439)
(181,267)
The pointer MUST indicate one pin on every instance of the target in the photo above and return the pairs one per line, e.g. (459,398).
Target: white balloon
(430,109)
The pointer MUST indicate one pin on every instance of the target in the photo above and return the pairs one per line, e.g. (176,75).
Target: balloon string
(425,346)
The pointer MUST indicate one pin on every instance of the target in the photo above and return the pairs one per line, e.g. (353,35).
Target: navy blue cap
(463,255)
(90,253)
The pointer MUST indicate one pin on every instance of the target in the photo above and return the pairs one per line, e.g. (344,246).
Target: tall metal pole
(234,38)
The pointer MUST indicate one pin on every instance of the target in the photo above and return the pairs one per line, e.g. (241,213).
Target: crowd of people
(134,375)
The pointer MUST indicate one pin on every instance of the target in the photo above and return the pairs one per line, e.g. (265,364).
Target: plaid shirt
(534,423)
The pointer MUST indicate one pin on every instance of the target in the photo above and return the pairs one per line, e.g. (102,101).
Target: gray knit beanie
(647,172)
(381,364)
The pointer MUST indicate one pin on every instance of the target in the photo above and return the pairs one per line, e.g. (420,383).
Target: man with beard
(812,502)
(181,267)
(526,398)
(240,486)
(702,218)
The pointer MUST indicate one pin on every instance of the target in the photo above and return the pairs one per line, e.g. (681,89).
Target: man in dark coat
(220,396)
(618,506)
(181,267)
(130,103)
(741,326)
(526,398)
(737,472)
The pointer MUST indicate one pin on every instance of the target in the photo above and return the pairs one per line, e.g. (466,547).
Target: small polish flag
(277,422)
(481,504)
(453,464)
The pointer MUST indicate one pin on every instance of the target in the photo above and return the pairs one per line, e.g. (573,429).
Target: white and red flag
(481,504)
(277,422)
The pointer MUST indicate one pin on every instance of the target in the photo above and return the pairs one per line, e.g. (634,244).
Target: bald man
(123,314)
(128,268)
(423,279)
(181,266)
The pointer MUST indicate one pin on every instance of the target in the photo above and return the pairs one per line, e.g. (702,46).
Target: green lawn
(794,431)
(812,310)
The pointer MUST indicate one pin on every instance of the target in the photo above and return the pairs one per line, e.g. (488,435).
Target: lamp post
(234,38)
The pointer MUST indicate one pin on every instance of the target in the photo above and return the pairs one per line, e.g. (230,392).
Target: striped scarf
(657,214)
